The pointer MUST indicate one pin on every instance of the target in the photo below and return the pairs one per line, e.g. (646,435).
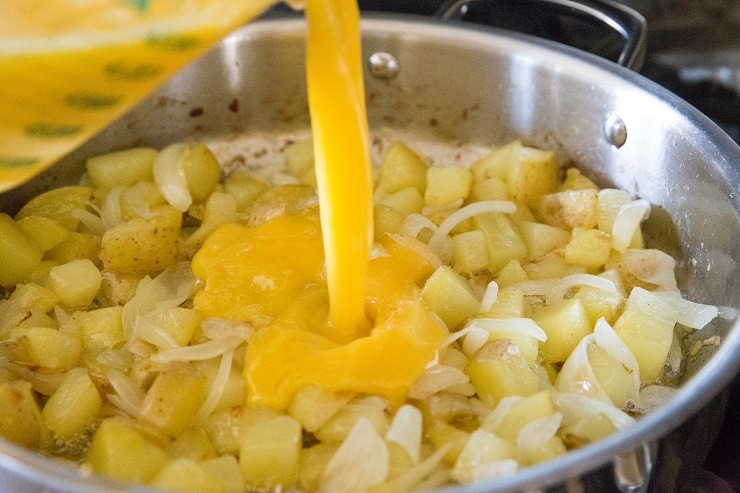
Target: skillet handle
(602,27)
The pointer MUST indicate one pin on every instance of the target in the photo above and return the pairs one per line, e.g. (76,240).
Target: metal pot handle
(554,18)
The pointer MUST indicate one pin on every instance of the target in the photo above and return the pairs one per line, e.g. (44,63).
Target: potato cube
(502,240)
(521,413)
(299,157)
(499,370)
(139,199)
(20,416)
(469,252)
(511,273)
(550,449)
(565,323)
(142,245)
(493,188)
(574,180)
(313,406)
(587,430)
(407,200)
(610,201)
(45,347)
(402,168)
(19,255)
(313,462)
(32,295)
(646,332)
(447,184)
(174,398)
(120,451)
(493,165)
(226,470)
(76,246)
(244,188)
(121,168)
(599,303)
(570,209)
(58,204)
(269,453)
(541,239)
(449,295)
(183,474)
(509,303)
(612,375)
(441,433)
(481,451)
(531,174)
(340,424)
(387,220)
(74,406)
(101,328)
(76,283)
(589,248)
(166,325)
(45,233)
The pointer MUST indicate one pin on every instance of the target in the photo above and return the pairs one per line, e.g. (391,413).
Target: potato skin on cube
(499,370)
(173,399)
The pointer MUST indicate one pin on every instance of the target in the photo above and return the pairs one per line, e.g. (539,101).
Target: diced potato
(646,333)
(599,303)
(493,165)
(121,168)
(76,246)
(613,376)
(587,430)
(101,328)
(531,174)
(202,171)
(336,428)
(565,323)
(278,200)
(244,188)
(313,407)
(407,200)
(76,283)
(610,202)
(117,288)
(541,239)
(39,318)
(166,325)
(521,413)
(402,168)
(227,472)
(270,452)
(570,209)
(45,347)
(447,184)
(502,240)
(449,295)
(299,157)
(19,254)
(120,451)
(574,180)
(32,295)
(469,252)
(58,204)
(234,393)
(224,429)
(45,233)
(589,247)
(511,273)
(499,370)
(387,220)
(74,406)
(193,444)
(509,303)
(552,266)
(313,462)
(482,449)
(20,416)
(173,399)
(183,474)
(143,245)
(493,188)
(546,451)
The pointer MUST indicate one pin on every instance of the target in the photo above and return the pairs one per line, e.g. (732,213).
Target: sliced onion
(525,326)
(218,328)
(406,431)
(413,479)
(673,307)
(653,266)
(110,213)
(170,176)
(471,210)
(536,433)
(413,224)
(11,314)
(496,417)
(560,287)
(627,221)
(489,297)
(129,398)
(199,352)
(91,221)
(43,383)
(436,379)
(476,336)
(217,389)
(360,462)
(576,406)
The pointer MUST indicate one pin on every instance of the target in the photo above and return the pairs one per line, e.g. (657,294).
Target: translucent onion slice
(218,328)
(436,379)
(42,383)
(489,297)
(128,397)
(577,406)
(471,210)
(91,221)
(560,287)
(110,212)
(199,352)
(653,266)
(406,431)
(360,462)
(673,307)
(496,417)
(170,176)
(11,314)
(415,478)
(475,338)
(627,221)
(414,224)
(535,434)
(525,326)
(217,388)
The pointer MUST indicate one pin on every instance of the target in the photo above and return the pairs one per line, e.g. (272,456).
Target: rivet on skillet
(615,130)
(384,65)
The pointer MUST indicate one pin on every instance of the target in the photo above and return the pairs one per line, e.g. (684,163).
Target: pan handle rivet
(383,65)
(615,130)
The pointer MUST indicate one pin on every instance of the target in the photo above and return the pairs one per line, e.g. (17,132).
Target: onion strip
(436,243)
